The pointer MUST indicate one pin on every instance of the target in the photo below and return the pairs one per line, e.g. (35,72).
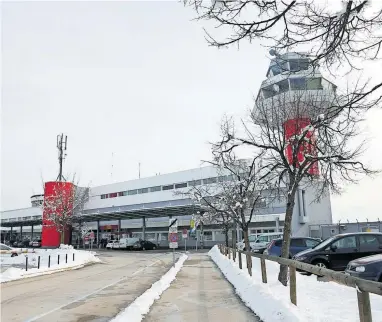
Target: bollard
(58,259)
(240,262)
(38,262)
(48,261)
(66,258)
(73,257)
(26,263)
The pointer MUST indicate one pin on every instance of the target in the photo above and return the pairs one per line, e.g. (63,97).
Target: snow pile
(18,263)
(141,306)
(316,301)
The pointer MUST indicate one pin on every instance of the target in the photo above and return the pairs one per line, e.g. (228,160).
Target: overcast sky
(136,80)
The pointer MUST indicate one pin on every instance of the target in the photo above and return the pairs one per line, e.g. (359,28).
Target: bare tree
(233,196)
(335,36)
(59,208)
(214,211)
(319,149)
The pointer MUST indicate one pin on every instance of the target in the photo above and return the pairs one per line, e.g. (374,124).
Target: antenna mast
(61,146)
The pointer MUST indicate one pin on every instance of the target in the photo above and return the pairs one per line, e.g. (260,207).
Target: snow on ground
(141,306)
(16,264)
(316,301)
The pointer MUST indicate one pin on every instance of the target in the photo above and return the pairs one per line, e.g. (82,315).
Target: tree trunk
(226,236)
(248,249)
(283,274)
(63,236)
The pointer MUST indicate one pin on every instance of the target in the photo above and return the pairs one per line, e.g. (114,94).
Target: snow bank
(316,301)
(141,306)
(17,271)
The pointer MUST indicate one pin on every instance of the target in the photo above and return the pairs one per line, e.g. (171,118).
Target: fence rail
(363,287)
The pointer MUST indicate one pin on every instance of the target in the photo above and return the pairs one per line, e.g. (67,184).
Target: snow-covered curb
(81,258)
(141,305)
(255,297)
(316,301)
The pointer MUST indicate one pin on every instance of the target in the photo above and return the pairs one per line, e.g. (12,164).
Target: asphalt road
(95,293)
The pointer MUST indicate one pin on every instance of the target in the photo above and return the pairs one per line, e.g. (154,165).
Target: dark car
(297,244)
(144,245)
(36,243)
(337,251)
(369,268)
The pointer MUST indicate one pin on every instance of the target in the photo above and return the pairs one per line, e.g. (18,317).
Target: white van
(127,243)
(259,244)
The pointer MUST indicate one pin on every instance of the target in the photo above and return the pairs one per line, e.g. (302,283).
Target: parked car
(241,244)
(8,250)
(337,251)
(113,244)
(369,268)
(36,243)
(259,244)
(127,243)
(297,244)
(21,243)
(144,245)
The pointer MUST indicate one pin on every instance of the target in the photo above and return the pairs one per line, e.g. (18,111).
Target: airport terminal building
(142,208)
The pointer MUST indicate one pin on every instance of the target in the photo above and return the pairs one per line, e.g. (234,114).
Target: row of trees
(336,39)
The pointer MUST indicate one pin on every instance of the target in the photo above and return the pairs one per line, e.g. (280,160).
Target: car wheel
(14,254)
(154,248)
(320,264)
(143,248)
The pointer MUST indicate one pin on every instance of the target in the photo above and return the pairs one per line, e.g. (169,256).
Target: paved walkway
(199,293)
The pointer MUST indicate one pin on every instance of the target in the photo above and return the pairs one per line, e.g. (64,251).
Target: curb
(52,271)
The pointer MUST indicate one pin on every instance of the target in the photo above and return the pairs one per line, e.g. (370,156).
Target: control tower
(292,97)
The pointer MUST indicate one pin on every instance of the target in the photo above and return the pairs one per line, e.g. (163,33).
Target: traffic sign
(173,237)
(185,234)
(173,226)
(173,245)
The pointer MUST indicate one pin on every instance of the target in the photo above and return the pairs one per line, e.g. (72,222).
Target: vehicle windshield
(252,238)
(323,244)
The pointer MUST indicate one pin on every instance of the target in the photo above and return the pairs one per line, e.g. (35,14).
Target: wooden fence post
(292,285)
(263,270)
(240,262)
(249,264)
(364,306)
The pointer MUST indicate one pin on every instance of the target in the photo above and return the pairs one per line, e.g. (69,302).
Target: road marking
(90,294)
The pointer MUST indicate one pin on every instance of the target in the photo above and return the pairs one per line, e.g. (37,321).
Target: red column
(60,195)
(295,127)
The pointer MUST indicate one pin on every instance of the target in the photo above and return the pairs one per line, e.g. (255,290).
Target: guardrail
(363,287)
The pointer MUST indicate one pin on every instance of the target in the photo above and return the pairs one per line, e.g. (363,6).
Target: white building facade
(151,201)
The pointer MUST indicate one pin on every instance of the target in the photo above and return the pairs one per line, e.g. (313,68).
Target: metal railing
(363,287)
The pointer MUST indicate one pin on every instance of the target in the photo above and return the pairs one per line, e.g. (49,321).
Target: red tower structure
(58,201)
